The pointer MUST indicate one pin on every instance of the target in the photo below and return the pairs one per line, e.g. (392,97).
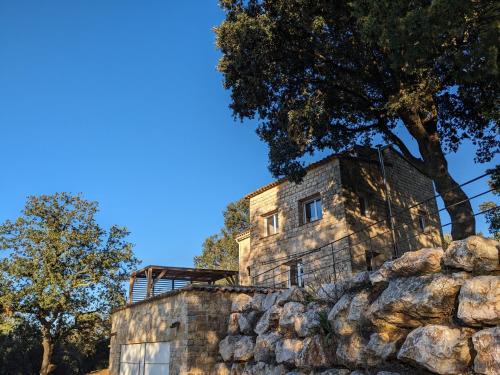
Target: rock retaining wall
(428,312)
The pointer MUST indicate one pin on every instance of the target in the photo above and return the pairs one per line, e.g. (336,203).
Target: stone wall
(193,319)
(428,312)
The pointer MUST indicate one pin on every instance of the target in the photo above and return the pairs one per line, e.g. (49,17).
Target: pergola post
(131,288)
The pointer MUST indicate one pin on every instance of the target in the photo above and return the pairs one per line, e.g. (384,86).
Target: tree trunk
(48,348)
(435,166)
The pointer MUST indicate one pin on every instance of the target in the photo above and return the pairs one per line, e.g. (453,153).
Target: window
(363,205)
(422,224)
(296,274)
(272,224)
(312,210)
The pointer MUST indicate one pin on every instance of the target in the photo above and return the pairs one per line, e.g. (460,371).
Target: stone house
(337,221)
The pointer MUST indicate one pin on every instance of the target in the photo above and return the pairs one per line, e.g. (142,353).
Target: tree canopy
(62,270)
(220,251)
(321,74)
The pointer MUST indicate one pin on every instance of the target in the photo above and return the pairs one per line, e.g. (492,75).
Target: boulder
(290,313)
(257,301)
(237,369)
(417,300)
(261,368)
(316,352)
(243,349)
(246,321)
(241,303)
(308,322)
(479,301)
(287,351)
(383,346)
(424,261)
(226,347)
(387,373)
(269,301)
(346,316)
(334,371)
(440,349)
(269,320)
(233,327)
(351,350)
(487,346)
(221,369)
(265,346)
(474,254)
(293,294)
(332,292)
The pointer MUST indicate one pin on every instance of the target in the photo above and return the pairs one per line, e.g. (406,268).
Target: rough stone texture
(233,327)
(265,346)
(474,254)
(332,292)
(226,347)
(287,351)
(246,322)
(308,322)
(487,346)
(269,320)
(383,346)
(241,303)
(261,368)
(424,261)
(221,369)
(243,349)
(438,348)
(413,301)
(316,352)
(333,371)
(293,294)
(479,301)
(291,312)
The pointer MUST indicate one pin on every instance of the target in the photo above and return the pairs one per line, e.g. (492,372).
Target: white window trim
(275,223)
(304,210)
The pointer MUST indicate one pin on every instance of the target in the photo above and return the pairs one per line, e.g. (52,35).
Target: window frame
(276,222)
(422,220)
(363,205)
(296,274)
(305,203)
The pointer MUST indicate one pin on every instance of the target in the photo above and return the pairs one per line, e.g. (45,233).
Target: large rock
(287,351)
(257,301)
(226,347)
(261,368)
(316,352)
(417,300)
(424,261)
(347,314)
(265,346)
(221,369)
(290,313)
(293,294)
(243,349)
(474,254)
(269,301)
(487,346)
(333,371)
(383,346)
(308,322)
(269,320)
(233,327)
(440,349)
(351,351)
(246,321)
(479,301)
(332,292)
(241,303)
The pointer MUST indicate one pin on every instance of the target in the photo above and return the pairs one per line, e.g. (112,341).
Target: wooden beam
(131,289)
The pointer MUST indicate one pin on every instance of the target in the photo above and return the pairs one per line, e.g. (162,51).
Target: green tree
(322,74)
(492,214)
(220,251)
(61,268)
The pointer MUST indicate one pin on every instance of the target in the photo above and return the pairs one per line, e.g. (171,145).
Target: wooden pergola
(153,280)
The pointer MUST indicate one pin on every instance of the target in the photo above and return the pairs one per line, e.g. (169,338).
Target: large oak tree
(323,74)
(62,270)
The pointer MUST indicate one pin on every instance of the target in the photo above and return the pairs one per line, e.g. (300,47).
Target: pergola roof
(183,273)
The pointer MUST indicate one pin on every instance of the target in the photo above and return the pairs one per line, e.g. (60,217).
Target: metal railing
(340,258)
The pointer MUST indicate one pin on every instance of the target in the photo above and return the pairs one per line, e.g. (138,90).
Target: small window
(363,205)
(296,274)
(312,210)
(272,224)
(422,222)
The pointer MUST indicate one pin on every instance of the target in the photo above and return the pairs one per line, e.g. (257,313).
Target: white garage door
(145,359)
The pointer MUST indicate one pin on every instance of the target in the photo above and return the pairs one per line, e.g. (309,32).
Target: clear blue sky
(120,100)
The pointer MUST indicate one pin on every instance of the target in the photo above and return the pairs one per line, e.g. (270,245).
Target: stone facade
(193,320)
(414,315)
(354,200)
